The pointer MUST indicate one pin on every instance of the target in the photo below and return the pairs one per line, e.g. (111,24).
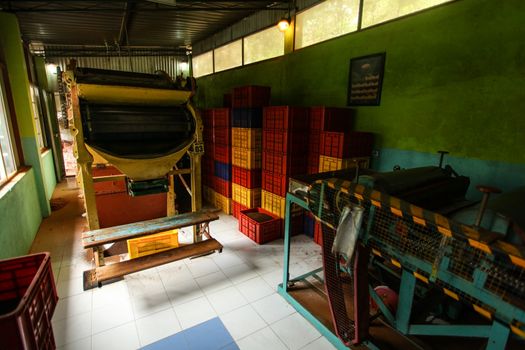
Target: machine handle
(441,157)
(487,191)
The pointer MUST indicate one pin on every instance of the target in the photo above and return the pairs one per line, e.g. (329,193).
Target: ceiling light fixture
(284,23)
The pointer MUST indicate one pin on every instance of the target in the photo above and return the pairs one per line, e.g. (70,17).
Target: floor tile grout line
(313,341)
(169,300)
(74,341)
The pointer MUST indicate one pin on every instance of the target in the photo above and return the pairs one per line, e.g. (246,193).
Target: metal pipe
(486,190)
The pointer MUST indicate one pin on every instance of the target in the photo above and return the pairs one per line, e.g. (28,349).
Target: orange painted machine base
(116,207)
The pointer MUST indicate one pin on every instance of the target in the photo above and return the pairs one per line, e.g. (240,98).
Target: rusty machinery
(142,124)
(396,257)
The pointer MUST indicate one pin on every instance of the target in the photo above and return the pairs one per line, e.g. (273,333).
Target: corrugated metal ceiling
(129,23)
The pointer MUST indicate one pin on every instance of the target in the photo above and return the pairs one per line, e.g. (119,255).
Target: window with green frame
(8,163)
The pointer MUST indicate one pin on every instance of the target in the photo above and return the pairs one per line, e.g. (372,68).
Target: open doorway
(66,134)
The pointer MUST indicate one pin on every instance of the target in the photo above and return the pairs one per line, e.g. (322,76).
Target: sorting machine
(142,125)
(400,271)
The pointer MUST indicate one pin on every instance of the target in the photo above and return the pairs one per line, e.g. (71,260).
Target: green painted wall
(49,178)
(453,80)
(25,199)
(19,221)
(13,54)
(11,44)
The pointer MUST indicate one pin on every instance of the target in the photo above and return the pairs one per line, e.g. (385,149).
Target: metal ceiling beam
(141,1)
(124,25)
(115,5)
(163,9)
(102,51)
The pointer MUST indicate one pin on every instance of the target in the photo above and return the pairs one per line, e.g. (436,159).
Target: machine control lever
(441,157)
(486,190)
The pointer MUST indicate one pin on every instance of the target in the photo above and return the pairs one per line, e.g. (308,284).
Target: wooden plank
(109,178)
(98,237)
(109,272)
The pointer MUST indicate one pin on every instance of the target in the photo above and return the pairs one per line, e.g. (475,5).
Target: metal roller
(137,132)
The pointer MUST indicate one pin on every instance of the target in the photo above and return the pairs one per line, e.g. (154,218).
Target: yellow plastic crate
(223,203)
(331,164)
(246,158)
(151,244)
(276,204)
(250,198)
(247,138)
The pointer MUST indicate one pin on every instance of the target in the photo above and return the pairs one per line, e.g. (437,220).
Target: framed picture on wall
(366,80)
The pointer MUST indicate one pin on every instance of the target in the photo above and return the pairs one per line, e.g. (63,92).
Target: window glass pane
(325,21)
(377,11)
(7,160)
(37,116)
(228,56)
(203,64)
(263,45)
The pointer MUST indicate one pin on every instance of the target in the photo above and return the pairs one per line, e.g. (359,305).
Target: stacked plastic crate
(325,119)
(222,151)
(338,146)
(207,164)
(340,150)
(285,134)
(247,107)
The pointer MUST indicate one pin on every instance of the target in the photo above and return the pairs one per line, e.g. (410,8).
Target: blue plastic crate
(223,170)
(309,225)
(247,117)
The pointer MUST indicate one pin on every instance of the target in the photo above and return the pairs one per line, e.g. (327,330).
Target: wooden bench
(96,239)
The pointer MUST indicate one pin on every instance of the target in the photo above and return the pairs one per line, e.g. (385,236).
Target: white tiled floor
(238,285)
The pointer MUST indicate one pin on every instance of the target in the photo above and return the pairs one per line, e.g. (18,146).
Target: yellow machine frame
(145,169)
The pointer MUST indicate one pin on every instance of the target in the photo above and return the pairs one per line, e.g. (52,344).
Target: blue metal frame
(497,333)
(283,287)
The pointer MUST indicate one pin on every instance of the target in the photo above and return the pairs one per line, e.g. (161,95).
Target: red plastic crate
(280,163)
(314,142)
(312,169)
(222,136)
(296,227)
(209,148)
(236,209)
(284,141)
(28,299)
(318,234)
(313,159)
(275,183)
(258,230)
(207,118)
(249,178)
(331,119)
(251,96)
(285,117)
(313,163)
(346,145)
(207,134)
(227,100)
(207,165)
(221,117)
(222,153)
(207,179)
(223,187)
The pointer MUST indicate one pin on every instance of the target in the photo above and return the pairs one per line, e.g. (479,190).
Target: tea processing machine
(142,125)
(400,272)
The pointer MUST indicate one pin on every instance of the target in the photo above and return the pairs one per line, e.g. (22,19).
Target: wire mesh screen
(338,287)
